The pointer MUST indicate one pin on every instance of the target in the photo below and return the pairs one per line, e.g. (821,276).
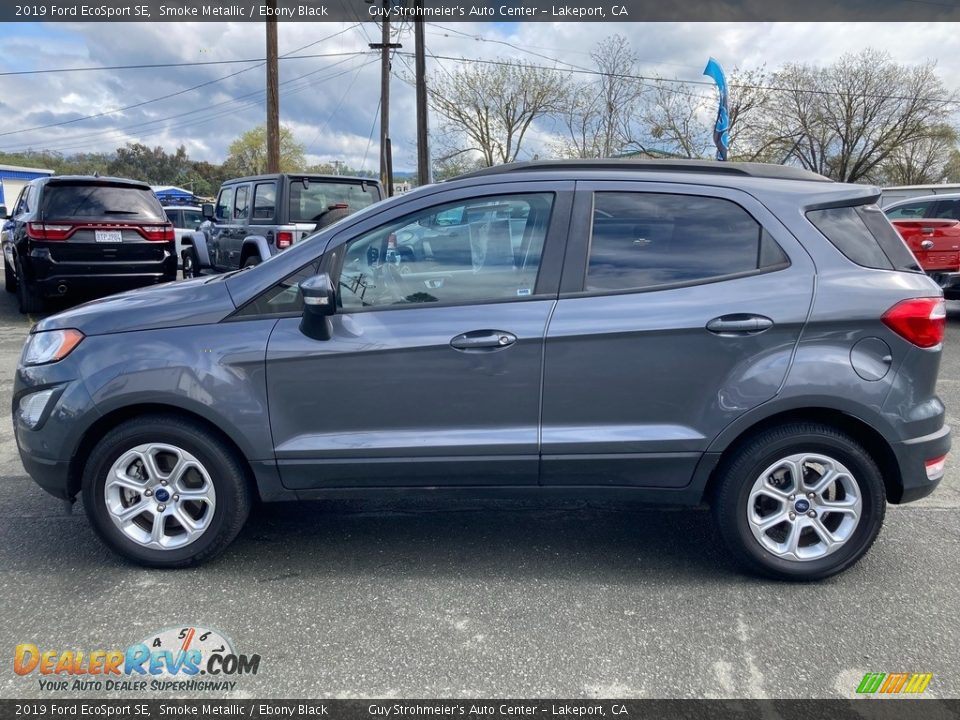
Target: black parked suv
(256,217)
(85,236)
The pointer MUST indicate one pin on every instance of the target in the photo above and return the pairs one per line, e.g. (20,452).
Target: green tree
(248,153)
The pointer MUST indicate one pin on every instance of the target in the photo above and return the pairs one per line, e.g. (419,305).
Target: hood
(198,301)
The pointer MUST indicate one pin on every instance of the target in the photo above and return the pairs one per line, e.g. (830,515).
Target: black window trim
(560,214)
(536,295)
(584,292)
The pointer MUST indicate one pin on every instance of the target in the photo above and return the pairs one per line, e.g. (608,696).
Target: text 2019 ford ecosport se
(752,336)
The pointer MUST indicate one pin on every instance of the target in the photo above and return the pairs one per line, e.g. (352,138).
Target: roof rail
(744,169)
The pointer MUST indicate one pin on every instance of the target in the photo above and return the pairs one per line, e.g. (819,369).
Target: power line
(155,66)
(175,94)
(92,139)
(574,70)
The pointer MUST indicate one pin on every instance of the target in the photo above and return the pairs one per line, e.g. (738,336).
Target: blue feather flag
(721,130)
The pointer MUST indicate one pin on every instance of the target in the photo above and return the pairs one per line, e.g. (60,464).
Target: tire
(251,261)
(755,485)
(190,262)
(29,299)
(9,278)
(212,470)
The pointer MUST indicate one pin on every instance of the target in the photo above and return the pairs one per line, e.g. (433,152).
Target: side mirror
(3,213)
(207,210)
(319,303)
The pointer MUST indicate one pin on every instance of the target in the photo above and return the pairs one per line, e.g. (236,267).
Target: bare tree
(848,119)
(600,116)
(676,120)
(926,160)
(493,106)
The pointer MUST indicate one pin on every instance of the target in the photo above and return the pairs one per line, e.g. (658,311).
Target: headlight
(50,346)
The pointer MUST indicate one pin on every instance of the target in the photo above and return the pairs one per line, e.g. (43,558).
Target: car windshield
(311,203)
(62,201)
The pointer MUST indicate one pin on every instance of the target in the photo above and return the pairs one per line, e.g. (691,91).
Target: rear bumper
(912,456)
(949,281)
(101,276)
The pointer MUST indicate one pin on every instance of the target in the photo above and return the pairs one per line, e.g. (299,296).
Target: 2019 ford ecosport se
(755,337)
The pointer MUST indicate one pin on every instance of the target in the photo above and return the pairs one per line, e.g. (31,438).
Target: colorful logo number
(893,683)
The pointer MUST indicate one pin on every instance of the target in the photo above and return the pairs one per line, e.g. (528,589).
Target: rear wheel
(28,297)
(9,278)
(801,501)
(164,491)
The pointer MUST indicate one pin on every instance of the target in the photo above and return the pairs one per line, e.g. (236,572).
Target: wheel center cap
(801,505)
(162,495)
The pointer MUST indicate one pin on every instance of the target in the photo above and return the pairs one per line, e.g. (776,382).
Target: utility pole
(273,92)
(424,171)
(386,155)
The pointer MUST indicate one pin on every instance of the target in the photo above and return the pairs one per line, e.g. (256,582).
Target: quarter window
(481,250)
(643,240)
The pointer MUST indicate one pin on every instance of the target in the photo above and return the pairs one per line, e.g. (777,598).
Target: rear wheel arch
(872,441)
(98,430)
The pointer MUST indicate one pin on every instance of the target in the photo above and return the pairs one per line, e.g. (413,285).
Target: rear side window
(865,236)
(643,240)
(264,201)
(121,202)
(911,210)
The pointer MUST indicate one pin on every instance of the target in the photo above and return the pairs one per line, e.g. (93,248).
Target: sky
(331,102)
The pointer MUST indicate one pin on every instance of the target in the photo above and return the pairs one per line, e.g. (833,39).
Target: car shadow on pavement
(481,539)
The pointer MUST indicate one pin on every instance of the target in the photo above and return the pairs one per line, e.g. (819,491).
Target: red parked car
(931,228)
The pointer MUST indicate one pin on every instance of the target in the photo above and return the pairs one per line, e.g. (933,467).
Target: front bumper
(912,456)
(47,450)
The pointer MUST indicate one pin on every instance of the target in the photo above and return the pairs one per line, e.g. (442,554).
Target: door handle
(483,340)
(927,230)
(739,324)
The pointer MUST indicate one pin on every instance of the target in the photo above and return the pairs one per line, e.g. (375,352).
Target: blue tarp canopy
(171,193)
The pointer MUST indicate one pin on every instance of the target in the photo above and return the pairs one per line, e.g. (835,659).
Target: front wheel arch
(108,422)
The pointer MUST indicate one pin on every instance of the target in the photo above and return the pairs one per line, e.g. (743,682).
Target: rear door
(98,221)
(680,309)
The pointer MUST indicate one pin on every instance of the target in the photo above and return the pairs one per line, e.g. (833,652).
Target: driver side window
(480,250)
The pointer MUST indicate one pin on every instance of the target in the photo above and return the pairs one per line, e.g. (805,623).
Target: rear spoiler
(850,196)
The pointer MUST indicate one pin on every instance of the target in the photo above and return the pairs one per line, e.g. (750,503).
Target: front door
(432,372)
(679,311)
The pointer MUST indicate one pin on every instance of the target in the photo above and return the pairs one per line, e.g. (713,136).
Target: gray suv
(256,217)
(754,337)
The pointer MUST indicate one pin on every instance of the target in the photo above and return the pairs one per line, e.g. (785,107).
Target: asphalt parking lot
(484,599)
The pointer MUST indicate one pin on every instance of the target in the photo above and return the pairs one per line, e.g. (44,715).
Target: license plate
(111,236)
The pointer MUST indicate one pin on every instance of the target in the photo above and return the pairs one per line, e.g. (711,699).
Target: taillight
(158,233)
(46,231)
(935,467)
(284,239)
(920,320)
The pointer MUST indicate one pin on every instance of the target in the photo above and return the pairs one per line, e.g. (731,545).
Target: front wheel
(164,491)
(801,501)
(190,262)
